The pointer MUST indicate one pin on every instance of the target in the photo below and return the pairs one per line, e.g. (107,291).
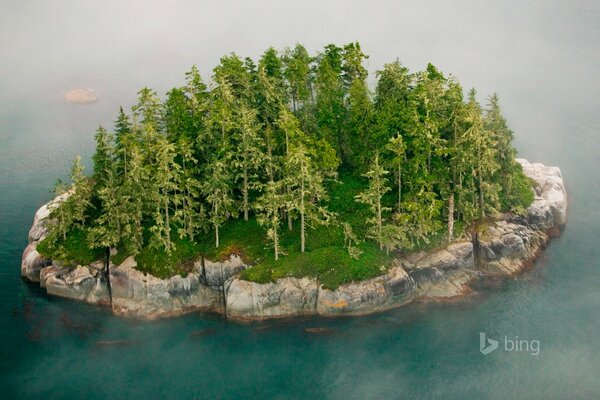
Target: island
(286,187)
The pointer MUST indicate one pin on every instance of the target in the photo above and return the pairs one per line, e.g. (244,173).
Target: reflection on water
(542,57)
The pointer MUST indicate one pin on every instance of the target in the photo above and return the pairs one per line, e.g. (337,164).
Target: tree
(123,136)
(298,74)
(164,181)
(372,197)
(482,149)
(249,156)
(81,196)
(217,192)
(306,190)
(398,149)
(103,158)
(267,208)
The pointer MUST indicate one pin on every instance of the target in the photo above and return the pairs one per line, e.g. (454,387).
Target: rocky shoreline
(502,248)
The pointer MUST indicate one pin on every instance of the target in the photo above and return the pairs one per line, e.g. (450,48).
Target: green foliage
(297,138)
(72,251)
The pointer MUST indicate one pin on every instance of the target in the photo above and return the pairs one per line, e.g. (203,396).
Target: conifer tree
(216,188)
(306,190)
(249,155)
(164,182)
(372,197)
(80,199)
(267,208)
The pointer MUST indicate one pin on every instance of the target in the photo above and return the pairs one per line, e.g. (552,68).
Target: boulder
(284,298)
(380,293)
(32,263)
(135,293)
(81,96)
(81,283)
(216,273)
(549,208)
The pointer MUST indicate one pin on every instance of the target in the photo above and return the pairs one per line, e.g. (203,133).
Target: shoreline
(504,248)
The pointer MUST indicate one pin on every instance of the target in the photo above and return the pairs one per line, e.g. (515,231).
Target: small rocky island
(287,187)
(500,249)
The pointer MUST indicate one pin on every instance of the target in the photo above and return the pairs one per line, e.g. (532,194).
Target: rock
(380,293)
(32,263)
(286,297)
(319,330)
(142,295)
(81,96)
(38,230)
(79,284)
(505,248)
(549,208)
(216,273)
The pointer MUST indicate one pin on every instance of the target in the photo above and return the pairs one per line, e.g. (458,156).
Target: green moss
(74,250)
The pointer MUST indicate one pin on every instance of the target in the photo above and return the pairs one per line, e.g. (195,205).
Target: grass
(325,258)
(73,251)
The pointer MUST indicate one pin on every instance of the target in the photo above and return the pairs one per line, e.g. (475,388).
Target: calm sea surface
(542,57)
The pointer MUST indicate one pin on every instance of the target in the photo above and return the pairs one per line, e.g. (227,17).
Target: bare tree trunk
(302,238)
(399,185)
(216,235)
(450,217)
(379,227)
(245,194)
(167,226)
(276,243)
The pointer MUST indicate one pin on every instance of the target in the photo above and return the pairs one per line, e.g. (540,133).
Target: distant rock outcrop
(81,96)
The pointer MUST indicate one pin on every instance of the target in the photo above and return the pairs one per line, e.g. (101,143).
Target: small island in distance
(285,187)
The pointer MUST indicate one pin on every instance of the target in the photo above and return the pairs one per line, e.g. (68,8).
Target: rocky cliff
(498,249)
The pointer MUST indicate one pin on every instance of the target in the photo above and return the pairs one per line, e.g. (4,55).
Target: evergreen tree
(373,197)
(306,190)
(267,208)
(249,156)
(164,181)
(216,188)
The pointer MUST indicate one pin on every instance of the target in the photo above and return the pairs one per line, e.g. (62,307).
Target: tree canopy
(267,142)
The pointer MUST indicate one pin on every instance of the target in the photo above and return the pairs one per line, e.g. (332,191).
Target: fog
(541,56)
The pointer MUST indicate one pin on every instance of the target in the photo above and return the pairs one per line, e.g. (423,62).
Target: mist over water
(541,56)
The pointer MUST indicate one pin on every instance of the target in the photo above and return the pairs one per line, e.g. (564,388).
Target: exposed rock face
(287,297)
(549,209)
(83,283)
(216,273)
(502,248)
(137,294)
(380,293)
(81,96)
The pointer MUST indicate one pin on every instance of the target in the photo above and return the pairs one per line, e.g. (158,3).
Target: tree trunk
(289,216)
(216,210)
(276,243)
(216,235)
(450,217)
(245,194)
(379,224)
(399,185)
(302,237)
(167,227)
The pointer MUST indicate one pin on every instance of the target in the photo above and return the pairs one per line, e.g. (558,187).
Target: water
(541,56)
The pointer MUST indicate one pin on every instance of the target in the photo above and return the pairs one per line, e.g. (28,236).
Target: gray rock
(80,283)
(216,273)
(549,209)
(142,295)
(32,263)
(286,297)
(390,290)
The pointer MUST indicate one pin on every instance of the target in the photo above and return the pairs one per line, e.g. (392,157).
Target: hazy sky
(541,56)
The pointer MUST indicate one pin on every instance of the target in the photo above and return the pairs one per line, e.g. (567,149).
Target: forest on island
(293,163)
